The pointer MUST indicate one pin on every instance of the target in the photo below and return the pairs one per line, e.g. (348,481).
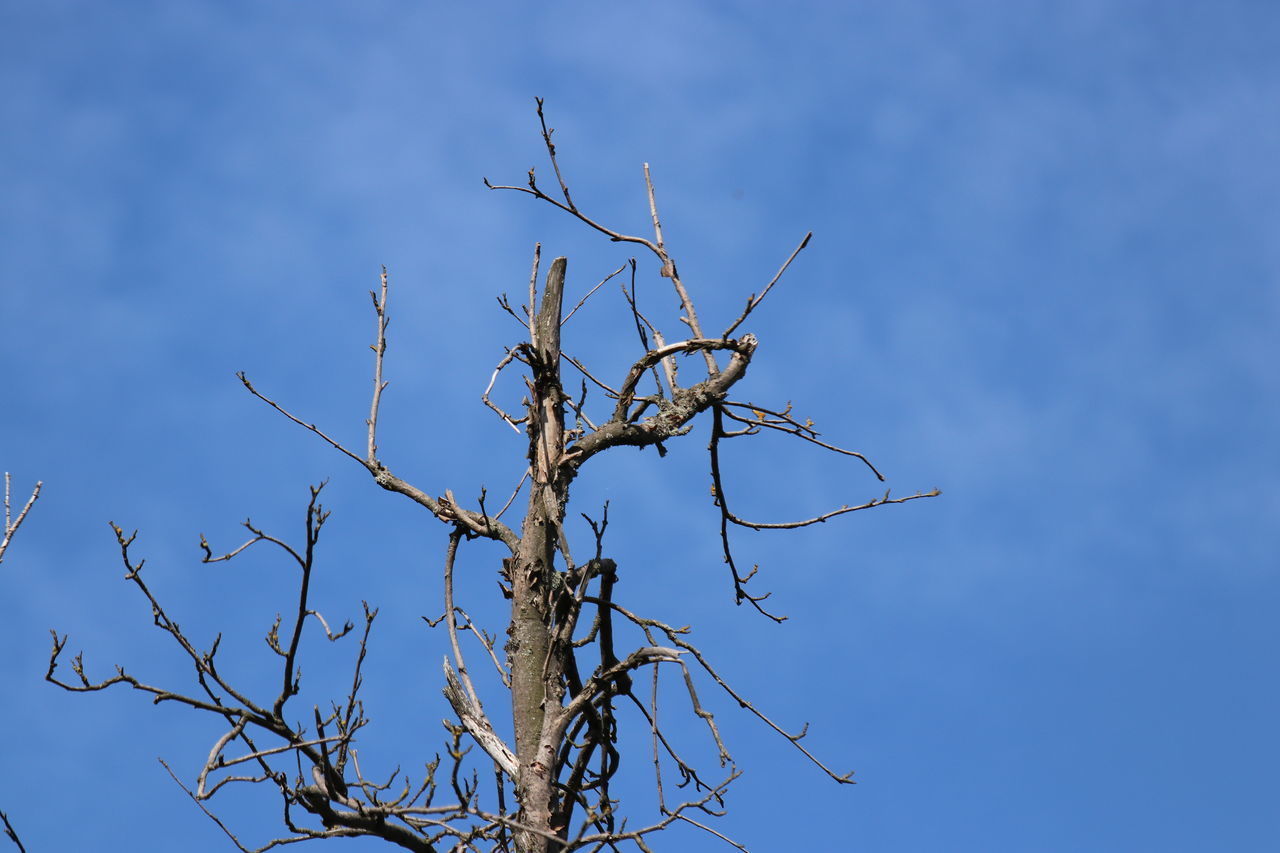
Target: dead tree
(566,667)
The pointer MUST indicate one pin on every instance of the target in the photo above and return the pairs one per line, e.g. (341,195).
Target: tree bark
(536,684)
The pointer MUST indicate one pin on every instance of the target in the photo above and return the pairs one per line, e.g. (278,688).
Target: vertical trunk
(535,678)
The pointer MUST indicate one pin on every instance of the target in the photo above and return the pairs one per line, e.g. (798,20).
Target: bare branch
(668,268)
(8,827)
(690,317)
(551,152)
(581,369)
(513,422)
(316,517)
(792,525)
(310,427)
(505,303)
(653,212)
(482,526)
(380,351)
(726,839)
(635,660)
(641,321)
(743,702)
(533,190)
(533,292)
(11,524)
(673,416)
(486,642)
(583,300)
(467,706)
(754,300)
(514,492)
(450,615)
(783,422)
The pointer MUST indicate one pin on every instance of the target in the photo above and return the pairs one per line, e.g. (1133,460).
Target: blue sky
(1043,278)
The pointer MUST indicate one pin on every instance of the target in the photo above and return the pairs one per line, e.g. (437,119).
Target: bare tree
(12,524)
(567,663)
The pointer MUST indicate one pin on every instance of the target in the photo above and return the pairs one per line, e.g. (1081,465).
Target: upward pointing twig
(380,349)
(756,300)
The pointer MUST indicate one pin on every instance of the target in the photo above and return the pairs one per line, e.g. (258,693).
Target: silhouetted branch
(9,831)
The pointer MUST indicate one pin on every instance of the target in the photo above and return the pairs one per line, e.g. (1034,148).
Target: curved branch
(783,422)
(673,415)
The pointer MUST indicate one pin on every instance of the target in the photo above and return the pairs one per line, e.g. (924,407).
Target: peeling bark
(536,684)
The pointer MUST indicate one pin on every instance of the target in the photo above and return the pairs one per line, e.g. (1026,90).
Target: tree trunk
(536,685)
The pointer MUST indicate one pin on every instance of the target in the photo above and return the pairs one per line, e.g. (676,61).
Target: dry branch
(12,524)
(12,833)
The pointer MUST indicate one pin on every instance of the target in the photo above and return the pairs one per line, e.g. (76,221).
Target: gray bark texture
(536,666)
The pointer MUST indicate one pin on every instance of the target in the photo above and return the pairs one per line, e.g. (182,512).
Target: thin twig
(669,271)
(8,827)
(584,299)
(754,300)
(551,151)
(450,616)
(382,475)
(231,835)
(783,422)
(514,492)
(299,421)
(380,350)
(653,212)
(505,303)
(513,422)
(533,294)
(641,321)
(818,519)
(583,370)
(726,839)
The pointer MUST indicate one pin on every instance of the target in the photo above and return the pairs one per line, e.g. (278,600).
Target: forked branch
(442,509)
(329,783)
